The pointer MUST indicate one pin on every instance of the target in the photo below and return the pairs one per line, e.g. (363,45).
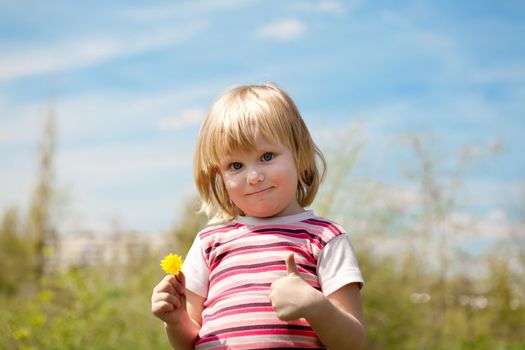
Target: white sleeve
(196,269)
(337,265)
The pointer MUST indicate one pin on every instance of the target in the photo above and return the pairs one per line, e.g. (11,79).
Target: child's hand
(168,301)
(291,296)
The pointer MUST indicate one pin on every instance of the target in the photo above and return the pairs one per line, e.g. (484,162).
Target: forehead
(255,140)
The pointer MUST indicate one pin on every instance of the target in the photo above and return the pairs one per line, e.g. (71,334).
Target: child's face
(263,182)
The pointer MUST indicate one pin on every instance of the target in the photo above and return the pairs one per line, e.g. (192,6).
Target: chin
(264,213)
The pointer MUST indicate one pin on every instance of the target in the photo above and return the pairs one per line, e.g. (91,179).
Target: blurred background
(418,106)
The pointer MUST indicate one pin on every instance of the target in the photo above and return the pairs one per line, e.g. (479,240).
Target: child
(266,273)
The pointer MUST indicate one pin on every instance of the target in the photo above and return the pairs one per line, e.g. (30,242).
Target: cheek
(288,174)
(231,183)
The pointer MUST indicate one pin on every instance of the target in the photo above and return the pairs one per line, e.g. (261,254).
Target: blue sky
(131,82)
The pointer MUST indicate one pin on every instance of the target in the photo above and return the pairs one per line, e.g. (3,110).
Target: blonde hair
(231,124)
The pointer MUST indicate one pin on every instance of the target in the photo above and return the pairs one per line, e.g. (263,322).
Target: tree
(41,233)
(13,253)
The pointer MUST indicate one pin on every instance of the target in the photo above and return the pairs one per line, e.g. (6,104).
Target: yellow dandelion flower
(171,264)
(21,333)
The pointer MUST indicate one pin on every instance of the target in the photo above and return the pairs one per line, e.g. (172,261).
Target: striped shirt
(234,264)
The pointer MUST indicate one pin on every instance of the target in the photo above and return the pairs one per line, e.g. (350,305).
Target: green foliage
(402,307)
(408,304)
(14,253)
(93,308)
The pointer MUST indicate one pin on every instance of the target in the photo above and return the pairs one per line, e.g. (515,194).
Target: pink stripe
(328,225)
(234,291)
(220,314)
(302,253)
(277,345)
(265,345)
(272,332)
(247,271)
(232,335)
(290,234)
(264,237)
(218,229)
(241,253)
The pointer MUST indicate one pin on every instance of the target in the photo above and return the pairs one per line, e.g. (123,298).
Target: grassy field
(105,307)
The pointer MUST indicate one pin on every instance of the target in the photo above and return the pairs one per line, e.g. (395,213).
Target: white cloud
(16,182)
(503,73)
(4,136)
(137,183)
(23,124)
(106,166)
(331,7)
(283,30)
(324,6)
(170,10)
(84,52)
(188,117)
(107,113)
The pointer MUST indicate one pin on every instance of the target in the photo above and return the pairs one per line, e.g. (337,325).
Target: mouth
(259,191)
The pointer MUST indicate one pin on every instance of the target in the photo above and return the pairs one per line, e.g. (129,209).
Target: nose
(254,177)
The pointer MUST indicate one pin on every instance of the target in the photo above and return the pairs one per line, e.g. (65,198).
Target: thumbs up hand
(292,297)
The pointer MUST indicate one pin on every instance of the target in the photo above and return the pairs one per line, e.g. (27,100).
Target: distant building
(88,248)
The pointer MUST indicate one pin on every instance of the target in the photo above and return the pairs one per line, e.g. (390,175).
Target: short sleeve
(337,265)
(196,269)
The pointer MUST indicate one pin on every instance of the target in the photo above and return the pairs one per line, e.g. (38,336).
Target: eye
(235,166)
(267,157)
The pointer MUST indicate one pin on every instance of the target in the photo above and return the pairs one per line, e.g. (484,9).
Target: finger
(181,278)
(178,282)
(162,307)
(170,280)
(167,297)
(175,283)
(164,286)
(171,287)
(290,265)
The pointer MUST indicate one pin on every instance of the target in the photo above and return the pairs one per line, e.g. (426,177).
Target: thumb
(290,265)
(181,278)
